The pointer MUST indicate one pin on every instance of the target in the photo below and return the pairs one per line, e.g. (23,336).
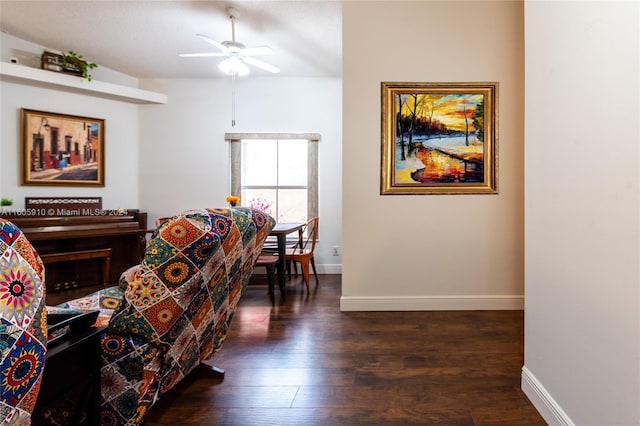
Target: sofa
(23,325)
(173,310)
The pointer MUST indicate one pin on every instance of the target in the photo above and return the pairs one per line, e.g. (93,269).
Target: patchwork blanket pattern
(176,306)
(23,325)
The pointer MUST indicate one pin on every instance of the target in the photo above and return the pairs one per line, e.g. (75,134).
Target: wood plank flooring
(304,362)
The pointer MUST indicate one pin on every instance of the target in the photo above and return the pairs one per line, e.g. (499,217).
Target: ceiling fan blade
(256,51)
(198,55)
(213,42)
(261,64)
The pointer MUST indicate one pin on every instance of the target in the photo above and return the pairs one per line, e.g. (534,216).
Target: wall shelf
(48,79)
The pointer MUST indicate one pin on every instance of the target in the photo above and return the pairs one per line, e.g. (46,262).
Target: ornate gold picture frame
(61,149)
(439,138)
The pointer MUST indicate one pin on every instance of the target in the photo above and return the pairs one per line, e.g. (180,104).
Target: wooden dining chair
(302,252)
(270,261)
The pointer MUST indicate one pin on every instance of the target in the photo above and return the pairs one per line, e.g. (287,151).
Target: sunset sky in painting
(448,109)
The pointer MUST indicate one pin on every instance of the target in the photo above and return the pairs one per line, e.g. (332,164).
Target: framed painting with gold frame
(61,149)
(439,138)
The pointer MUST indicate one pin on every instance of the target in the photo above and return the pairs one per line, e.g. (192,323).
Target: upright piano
(82,252)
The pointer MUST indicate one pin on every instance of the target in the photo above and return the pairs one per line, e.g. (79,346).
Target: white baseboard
(432,303)
(548,408)
(330,268)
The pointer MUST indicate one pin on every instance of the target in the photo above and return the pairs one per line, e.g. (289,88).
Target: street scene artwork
(438,138)
(62,149)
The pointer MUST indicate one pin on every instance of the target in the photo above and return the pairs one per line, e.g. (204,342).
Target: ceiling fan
(237,54)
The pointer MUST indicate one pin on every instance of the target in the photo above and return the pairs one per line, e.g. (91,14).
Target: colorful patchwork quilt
(176,305)
(23,325)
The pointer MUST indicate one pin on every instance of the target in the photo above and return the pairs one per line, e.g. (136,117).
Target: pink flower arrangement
(261,204)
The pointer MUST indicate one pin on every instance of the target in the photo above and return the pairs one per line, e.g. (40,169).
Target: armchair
(23,329)
(176,306)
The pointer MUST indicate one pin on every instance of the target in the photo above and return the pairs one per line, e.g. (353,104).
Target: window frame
(235,163)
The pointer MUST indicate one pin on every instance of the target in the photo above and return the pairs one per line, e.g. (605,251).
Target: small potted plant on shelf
(5,203)
(75,61)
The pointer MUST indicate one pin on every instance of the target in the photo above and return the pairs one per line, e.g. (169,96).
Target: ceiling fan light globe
(234,66)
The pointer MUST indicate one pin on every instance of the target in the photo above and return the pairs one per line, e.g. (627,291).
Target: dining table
(280,231)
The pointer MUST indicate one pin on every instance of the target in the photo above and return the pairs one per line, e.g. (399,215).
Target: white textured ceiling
(143,38)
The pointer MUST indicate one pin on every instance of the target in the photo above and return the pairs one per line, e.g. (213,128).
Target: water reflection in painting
(442,164)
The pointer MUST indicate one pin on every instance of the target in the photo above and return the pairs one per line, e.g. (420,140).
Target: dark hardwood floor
(306,363)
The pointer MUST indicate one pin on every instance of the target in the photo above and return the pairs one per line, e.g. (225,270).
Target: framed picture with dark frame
(61,149)
(439,138)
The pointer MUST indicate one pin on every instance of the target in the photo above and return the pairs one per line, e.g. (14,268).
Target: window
(277,173)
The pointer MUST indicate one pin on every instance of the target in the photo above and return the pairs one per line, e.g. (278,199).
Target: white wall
(582,230)
(121,133)
(165,158)
(435,251)
(185,159)
(121,139)
(29,54)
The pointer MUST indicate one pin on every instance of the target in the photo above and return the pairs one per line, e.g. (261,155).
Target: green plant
(6,202)
(78,60)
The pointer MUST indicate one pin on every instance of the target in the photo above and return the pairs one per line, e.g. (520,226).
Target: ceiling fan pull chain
(233,100)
